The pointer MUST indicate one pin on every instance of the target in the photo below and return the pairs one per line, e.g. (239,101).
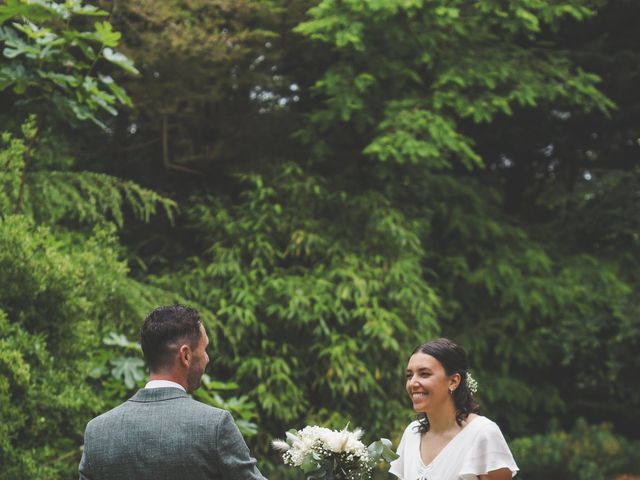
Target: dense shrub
(587,452)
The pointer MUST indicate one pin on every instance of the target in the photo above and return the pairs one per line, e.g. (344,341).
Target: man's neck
(168,377)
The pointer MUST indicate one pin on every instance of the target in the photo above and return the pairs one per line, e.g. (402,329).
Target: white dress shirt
(163,384)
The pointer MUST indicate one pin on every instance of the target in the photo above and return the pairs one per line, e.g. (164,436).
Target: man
(161,432)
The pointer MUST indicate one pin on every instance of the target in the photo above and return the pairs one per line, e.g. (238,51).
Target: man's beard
(194,379)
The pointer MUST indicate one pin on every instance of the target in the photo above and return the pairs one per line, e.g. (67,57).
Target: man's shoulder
(199,408)
(181,407)
(103,417)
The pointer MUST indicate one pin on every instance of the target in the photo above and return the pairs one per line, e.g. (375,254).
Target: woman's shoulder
(486,428)
(487,450)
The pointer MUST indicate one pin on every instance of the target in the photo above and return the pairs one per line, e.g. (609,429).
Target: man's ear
(184,354)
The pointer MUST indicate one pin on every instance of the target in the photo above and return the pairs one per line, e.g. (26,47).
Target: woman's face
(428,384)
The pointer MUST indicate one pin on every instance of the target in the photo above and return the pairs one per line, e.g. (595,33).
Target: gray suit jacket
(162,433)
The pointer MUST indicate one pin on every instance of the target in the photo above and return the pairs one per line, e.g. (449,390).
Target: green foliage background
(330,184)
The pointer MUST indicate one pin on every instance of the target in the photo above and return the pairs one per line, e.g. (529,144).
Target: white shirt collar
(163,384)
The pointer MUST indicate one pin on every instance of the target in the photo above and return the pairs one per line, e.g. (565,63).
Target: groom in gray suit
(161,432)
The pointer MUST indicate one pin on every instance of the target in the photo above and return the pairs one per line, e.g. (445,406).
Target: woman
(449,441)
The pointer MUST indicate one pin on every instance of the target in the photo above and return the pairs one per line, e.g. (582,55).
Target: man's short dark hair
(164,330)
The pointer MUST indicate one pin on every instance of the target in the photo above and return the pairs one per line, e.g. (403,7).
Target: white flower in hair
(472,384)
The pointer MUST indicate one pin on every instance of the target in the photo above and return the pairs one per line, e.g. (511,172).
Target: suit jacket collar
(146,395)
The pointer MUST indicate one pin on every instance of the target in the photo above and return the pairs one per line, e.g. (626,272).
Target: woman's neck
(443,420)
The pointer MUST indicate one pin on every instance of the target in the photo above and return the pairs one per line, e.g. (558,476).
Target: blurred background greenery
(331,183)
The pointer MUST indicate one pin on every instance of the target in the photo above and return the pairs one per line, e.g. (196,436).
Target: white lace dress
(476,450)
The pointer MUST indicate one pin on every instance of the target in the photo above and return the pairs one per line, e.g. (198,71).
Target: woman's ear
(454,381)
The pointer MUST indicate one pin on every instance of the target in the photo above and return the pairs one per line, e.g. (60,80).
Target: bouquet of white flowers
(325,454)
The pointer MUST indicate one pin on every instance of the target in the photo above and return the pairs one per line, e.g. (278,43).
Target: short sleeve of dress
(397,465)
(404,467)
(489,452)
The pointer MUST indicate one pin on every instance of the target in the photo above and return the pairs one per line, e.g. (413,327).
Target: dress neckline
(462,430)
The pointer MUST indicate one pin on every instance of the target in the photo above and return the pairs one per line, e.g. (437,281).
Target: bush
(588,452)
(51,297)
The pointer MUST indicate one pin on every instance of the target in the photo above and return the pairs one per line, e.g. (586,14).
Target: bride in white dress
(449,441)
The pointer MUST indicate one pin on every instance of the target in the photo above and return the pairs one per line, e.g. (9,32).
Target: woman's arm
(500,474)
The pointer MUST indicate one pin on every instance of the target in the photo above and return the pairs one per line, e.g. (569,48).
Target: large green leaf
(120,60)
(13,8)
(105,34)
(129,370)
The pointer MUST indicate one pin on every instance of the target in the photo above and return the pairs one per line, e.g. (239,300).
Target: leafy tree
(59,287)
(202,64)
(48,62)
(65,284)
(40,42)
(401,109)
(317,295)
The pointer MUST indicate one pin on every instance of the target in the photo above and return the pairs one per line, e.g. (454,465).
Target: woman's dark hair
(164,329)
(454,360)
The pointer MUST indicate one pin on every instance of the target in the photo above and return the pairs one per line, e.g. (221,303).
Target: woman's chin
(419,408)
